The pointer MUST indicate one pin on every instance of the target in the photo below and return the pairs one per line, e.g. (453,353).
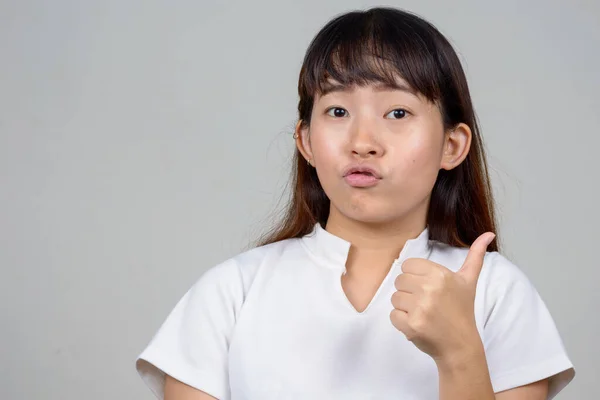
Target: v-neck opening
(375,296)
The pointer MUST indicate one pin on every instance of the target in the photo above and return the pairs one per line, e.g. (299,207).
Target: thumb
(473,264)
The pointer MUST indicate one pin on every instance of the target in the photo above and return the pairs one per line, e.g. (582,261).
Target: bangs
(367,48)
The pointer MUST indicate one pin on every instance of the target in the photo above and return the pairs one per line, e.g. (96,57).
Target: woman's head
(384,89)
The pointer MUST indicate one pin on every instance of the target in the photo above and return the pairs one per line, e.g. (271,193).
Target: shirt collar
(334,250)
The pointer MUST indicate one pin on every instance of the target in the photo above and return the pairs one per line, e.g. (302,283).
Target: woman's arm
(465,377)
(176,390)
(468,378)
(534,391)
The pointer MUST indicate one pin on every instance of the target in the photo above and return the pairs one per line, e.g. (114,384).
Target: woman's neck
(374,245)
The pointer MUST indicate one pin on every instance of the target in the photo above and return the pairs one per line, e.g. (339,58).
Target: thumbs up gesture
(434,307)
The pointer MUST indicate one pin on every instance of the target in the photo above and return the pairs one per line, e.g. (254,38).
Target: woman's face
(395,132)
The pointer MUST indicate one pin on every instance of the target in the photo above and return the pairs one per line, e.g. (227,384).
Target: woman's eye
(398,113)
(337,112)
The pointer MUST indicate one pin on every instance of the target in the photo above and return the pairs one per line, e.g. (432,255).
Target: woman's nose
(364,141)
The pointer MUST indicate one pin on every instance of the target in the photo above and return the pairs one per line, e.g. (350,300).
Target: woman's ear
(302,136)
(457,143)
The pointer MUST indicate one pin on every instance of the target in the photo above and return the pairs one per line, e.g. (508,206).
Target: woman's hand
(434,307)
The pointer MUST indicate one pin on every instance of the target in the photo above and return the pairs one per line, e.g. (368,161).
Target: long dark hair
(461,206)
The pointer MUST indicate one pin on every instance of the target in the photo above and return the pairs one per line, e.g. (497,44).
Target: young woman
(384,279)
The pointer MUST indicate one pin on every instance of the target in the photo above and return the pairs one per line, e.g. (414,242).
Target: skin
(176,390)
(409,148)
(408,151)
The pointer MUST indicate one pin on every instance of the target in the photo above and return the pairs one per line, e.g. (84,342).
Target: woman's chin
(368,216)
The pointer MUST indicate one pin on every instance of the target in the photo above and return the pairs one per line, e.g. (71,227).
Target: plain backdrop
(143,142)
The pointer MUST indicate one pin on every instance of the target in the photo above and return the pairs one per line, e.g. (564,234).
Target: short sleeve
(522,343)
(192,343)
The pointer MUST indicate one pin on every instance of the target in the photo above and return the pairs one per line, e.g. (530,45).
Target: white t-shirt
(274,323)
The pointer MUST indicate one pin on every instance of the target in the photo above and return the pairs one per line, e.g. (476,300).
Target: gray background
(142,142)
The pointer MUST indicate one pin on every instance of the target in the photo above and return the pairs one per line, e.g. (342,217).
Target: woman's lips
(359,179)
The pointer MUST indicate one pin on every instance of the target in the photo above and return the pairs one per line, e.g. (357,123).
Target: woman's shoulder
(240,270)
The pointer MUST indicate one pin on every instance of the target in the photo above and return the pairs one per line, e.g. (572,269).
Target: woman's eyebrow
(329,88)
